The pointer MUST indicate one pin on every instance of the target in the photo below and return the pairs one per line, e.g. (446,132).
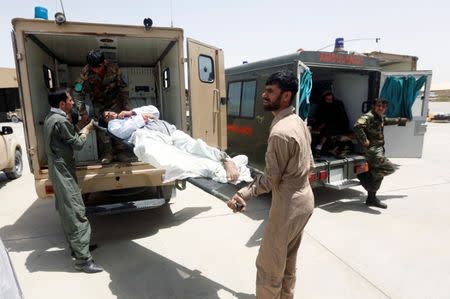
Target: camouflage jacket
(109,92)
(370,127)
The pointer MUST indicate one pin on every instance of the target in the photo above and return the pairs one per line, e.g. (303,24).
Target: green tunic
(370,127)
(60,142)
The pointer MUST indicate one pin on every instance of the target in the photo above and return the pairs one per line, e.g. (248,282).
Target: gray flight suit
(288,162)
(370,127)
(60,142)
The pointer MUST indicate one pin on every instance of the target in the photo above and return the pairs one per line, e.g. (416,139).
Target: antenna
(171,15)
(62,7)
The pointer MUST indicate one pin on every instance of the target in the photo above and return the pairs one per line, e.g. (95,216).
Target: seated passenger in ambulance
(160,144)
(329,125)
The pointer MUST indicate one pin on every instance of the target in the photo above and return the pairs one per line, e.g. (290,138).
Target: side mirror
(6,130)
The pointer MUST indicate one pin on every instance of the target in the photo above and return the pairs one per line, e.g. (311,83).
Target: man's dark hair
(327,93)
(379,100)
(95,57)
(102,120)
(55,96)
(285,80)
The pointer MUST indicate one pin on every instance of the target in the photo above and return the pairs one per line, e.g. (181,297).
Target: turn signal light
(360,168)
(312,177)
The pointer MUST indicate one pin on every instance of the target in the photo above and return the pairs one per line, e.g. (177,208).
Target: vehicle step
(339,185)
(125,206)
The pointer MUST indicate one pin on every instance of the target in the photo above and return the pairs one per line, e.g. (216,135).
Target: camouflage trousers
(379,167)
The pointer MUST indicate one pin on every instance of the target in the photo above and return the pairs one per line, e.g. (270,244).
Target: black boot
(88,267)
(372,200)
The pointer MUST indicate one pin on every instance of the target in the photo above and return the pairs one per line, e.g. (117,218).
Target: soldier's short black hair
(286,81)
(379,100)
(327,93)
(95,57)
(57,95)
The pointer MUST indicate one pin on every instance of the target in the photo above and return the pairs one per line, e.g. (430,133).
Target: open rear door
(407,142)
(207,93)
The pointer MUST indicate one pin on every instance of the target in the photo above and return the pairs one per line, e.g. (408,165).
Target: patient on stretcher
(162,145)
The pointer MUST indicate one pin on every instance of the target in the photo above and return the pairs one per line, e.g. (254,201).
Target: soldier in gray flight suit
(369,131)
(288,162)
(60,142)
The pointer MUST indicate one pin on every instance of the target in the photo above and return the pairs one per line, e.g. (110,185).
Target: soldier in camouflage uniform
(369,131)
(101,81)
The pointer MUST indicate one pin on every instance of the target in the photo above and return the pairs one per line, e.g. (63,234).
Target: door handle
(216,109)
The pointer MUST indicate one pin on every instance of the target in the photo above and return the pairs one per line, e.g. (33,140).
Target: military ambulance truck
(152,62)
(354,79)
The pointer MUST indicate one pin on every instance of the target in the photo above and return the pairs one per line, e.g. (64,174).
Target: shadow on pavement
(39,230)
(141,273)
(135,271)
(4,180)
(337,201)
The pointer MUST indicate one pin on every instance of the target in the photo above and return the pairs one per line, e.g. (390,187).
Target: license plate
(336,174)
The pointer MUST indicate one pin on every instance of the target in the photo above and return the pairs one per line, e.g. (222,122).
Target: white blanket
(183,157)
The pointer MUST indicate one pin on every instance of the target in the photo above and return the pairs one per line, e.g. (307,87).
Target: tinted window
(206,69)
(248,99)
(241,98)
(234,98)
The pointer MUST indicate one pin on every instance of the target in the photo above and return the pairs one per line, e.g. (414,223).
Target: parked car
(15,116)
(10,154)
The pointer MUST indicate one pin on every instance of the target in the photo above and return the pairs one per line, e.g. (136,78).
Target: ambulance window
(234,98)
(206,69)
(248,99)
(49,77)
(166,78)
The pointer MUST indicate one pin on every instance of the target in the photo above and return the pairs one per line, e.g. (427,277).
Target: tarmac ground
(195,247)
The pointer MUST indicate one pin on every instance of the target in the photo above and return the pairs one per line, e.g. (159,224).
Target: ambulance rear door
(407,142)
(208,109)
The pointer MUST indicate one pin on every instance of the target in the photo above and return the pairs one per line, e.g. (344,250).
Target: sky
(259,29)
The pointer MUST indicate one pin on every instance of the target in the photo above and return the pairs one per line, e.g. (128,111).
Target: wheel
(18,166)
(167,192)
(14,119)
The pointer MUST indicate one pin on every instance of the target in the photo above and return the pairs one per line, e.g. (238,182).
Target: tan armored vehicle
(153,63)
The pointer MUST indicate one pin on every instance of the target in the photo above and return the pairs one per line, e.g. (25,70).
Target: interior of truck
(355,89)
(150,67)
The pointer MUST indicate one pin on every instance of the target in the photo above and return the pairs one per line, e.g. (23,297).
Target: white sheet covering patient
(160,144)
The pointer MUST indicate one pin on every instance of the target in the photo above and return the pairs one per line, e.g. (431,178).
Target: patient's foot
(231,170)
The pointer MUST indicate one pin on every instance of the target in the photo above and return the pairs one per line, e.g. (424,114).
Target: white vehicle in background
(10,153)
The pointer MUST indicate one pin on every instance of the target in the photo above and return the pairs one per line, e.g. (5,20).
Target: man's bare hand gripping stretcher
(160,144)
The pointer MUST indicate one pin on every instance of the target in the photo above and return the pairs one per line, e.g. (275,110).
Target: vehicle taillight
(312,177)
(49,189)
(360,168)
(323,175)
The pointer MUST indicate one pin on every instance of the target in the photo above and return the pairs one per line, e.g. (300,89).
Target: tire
(14,119)
(18,166)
